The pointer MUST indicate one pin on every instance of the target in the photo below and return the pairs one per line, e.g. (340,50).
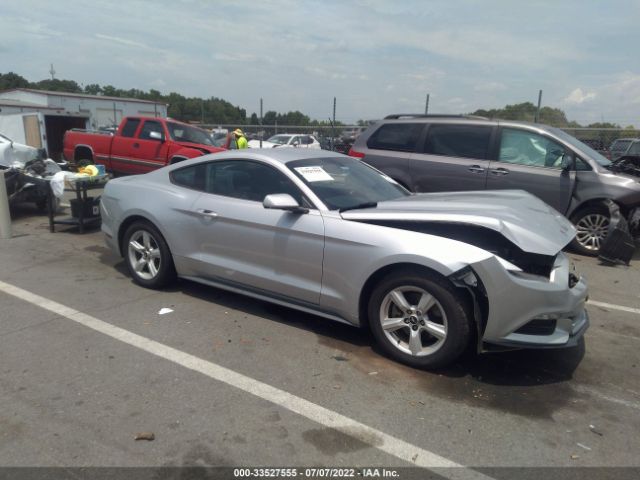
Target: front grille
(538,327)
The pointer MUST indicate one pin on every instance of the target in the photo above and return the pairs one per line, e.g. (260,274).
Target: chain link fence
(338,138)
(601,138)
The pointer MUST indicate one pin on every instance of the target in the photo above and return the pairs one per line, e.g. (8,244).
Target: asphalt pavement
(226,380)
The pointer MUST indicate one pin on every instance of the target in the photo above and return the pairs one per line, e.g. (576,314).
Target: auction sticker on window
(314,174)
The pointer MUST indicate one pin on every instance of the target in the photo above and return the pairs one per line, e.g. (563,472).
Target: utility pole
(261,129)
(333,123)
(538,109)
(202,112)
(334,111)
(52,72)
(426,106)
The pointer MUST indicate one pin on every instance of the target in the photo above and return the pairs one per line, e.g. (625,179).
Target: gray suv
(435,153)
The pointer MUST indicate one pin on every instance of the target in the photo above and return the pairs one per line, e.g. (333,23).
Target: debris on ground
(594,430)
(164,311)
(340,358)
(584,446)
(149,436)
(575,457)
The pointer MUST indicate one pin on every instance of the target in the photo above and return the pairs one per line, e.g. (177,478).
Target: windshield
(279,139)
(573,141)
(219,139)
(185,133)
(343,183)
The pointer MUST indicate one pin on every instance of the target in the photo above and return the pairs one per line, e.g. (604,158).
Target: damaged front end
(520,299)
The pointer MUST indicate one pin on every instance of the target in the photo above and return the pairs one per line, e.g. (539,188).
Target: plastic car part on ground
(618,246)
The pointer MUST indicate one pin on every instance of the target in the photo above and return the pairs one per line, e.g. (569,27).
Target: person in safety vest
(240,138)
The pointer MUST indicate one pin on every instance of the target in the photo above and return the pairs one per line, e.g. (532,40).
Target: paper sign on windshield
(314,174)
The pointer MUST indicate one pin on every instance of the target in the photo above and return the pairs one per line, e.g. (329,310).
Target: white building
(39,117)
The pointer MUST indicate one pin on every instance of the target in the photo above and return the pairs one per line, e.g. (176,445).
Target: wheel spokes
(426,302)
(435,329)
(136,246)
(399,299)
(139,265)
(415,342)
(393,324)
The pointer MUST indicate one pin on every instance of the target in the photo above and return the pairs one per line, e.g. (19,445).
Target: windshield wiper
(359,205)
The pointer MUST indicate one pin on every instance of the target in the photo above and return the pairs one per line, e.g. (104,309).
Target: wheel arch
(598,202)
(128,222)
(81,149)
(378,275)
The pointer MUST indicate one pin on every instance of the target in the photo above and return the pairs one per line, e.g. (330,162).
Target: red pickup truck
(139,145)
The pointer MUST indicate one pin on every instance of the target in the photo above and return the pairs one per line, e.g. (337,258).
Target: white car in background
(296,140)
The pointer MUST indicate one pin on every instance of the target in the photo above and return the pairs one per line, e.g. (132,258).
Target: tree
(56,85)
(93,89)
(527,112)
(12,80)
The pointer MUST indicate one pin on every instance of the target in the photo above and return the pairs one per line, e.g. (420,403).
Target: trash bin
(90,207)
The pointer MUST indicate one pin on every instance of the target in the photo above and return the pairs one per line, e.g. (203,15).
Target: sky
(375,56)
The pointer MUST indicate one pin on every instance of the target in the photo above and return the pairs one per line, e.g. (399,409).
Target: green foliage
(527,112)
(12,80)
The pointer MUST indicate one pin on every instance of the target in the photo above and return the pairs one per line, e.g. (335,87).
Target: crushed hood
(520,217)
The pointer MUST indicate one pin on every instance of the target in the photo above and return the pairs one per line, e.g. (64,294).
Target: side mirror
(283,201)
(156,136)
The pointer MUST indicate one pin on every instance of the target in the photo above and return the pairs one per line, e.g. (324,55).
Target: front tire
(147,256)
(419,319)
(592,225)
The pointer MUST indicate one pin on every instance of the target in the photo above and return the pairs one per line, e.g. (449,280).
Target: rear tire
(419,319)
(147,256)
(592,225)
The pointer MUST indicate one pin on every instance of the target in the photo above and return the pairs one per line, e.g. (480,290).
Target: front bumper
(515,302)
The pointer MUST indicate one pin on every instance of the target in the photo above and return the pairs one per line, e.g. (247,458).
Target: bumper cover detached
(527,311)
(619,245)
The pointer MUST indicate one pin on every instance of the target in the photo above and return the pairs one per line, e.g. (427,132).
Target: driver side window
(248,181)
(528,148)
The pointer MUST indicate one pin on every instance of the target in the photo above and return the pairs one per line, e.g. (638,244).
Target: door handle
(476,169)
(499,171)
(207,213)
(136,145)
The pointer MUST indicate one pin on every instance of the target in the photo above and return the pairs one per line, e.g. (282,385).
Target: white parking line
(613,306)
(375,438)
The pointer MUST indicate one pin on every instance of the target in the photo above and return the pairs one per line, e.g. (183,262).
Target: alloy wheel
(144,254)
(592,229)
(413,321)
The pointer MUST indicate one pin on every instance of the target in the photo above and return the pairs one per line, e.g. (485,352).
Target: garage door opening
(55,126)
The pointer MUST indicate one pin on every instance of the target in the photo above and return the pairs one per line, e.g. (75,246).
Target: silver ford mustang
(320,232)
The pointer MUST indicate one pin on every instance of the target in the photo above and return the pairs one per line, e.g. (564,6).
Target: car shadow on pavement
(531,383)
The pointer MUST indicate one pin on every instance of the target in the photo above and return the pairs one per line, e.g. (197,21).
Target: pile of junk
(27,172)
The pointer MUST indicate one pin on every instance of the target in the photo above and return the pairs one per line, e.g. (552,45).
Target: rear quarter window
(468,141)
(401,137)
(190,177)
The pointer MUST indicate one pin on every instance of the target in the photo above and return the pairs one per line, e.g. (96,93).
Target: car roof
(280,155)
